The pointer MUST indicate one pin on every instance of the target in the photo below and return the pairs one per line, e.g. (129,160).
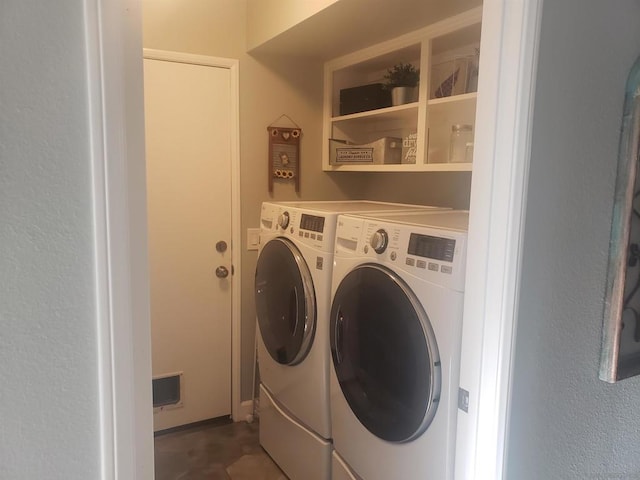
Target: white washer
(293,298)
(395,328)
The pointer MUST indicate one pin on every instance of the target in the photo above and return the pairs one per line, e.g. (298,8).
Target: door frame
(237,411)
(113,43)
(502,150)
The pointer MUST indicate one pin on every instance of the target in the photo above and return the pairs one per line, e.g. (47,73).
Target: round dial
(379,241)
(283,220)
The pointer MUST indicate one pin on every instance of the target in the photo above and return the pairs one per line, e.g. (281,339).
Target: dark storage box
(363,98)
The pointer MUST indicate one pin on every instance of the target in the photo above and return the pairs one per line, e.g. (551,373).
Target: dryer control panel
(429,252)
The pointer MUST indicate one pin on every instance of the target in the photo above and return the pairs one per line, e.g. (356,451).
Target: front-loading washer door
(384,353)
(285,302)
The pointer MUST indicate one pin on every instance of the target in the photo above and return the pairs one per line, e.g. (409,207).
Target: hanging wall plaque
(284,154)
(620,355)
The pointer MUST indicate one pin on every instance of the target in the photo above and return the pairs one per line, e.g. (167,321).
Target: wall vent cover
(167,391)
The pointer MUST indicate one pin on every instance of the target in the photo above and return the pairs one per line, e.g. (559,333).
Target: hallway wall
(49,398)
(564,422)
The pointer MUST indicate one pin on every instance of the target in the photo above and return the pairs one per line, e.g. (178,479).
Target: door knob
(222,272)
(221,246)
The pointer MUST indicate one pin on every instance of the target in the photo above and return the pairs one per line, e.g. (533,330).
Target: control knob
(283,220)
(379,241)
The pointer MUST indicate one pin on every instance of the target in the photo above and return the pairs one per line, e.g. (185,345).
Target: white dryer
(395,329)
(293,298)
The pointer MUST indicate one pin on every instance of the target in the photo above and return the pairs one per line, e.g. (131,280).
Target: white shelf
(465,97)
(413,167)
(426,122)
(399,112)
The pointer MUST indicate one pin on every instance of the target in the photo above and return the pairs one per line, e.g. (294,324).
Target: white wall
(564,422)
(48,345)
(444,189)
(268,18)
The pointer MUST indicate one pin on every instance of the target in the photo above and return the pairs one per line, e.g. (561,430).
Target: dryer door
(285,302)
(385,354)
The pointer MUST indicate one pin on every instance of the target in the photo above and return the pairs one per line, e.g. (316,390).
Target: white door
(188,142)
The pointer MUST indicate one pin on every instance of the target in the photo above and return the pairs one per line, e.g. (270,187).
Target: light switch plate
(463,400)
(253,238)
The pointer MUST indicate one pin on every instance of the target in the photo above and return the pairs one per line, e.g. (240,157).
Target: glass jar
(461,136)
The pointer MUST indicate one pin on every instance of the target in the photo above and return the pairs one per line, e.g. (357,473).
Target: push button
(433,267)
(410,261)
(421,264)
(446,269)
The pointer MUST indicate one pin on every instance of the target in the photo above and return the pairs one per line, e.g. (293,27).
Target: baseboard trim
(210,422)
(245,414)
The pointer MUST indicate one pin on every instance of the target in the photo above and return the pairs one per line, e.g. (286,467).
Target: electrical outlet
(463,400)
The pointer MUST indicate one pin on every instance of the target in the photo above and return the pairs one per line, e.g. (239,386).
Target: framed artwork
(620,354)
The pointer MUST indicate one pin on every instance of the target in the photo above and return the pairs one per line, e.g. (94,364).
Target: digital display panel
(311,222)
(427,246)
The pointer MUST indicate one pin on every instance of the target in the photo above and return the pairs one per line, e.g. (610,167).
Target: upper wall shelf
(454,99)
(428,167)
(390,113)
(363,133)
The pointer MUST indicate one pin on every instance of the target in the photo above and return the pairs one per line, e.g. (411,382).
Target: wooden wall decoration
(284,153)
(620,354)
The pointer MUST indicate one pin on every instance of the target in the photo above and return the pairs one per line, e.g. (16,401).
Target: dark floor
(214,452)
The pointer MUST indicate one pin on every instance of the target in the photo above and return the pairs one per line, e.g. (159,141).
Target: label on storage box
(409,148)
(354,155)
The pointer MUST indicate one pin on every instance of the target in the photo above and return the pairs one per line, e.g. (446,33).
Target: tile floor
(214,452)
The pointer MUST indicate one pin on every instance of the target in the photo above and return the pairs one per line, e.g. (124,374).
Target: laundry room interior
(270,86)
(284,50)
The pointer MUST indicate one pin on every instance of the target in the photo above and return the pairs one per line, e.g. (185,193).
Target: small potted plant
(402,80)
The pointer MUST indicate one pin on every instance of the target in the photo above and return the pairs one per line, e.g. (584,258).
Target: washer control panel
(283,220)
(307,227)
(379,241)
